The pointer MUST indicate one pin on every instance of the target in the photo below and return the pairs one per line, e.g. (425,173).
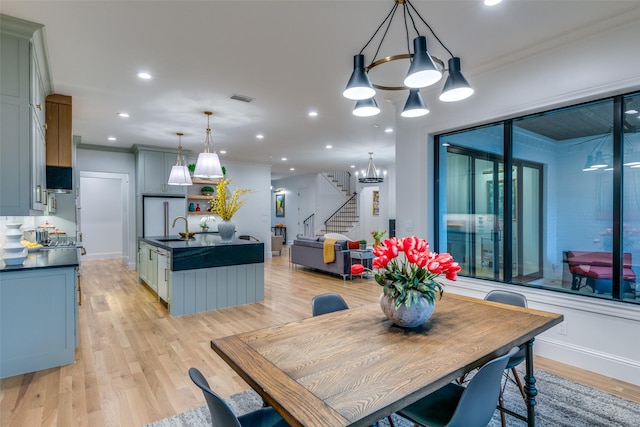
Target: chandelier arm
(386,30)
(429,27)
(390,14)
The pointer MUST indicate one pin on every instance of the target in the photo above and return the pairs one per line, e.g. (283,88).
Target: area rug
(560,403)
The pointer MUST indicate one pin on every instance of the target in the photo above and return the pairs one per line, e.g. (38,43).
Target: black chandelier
(425,70)
(370,175)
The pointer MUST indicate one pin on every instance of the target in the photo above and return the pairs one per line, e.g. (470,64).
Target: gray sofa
(307,251)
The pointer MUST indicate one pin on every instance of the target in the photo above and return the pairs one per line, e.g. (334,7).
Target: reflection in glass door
(477,213)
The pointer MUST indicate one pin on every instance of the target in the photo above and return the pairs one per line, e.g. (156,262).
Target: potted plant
(377,236)
(191,167)
(225,205)
(407,271)
(363,244)
(207,190)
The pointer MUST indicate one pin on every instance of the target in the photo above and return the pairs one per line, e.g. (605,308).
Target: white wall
(90,160)
(601,335)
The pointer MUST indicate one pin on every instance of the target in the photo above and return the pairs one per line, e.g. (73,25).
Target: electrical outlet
(562,328)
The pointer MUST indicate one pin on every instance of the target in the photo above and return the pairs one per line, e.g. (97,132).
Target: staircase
(344,219)
(342,180)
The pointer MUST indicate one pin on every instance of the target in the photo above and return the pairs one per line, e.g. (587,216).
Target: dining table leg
(530,389)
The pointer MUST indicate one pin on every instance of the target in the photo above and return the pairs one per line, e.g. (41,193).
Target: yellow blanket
(328,252)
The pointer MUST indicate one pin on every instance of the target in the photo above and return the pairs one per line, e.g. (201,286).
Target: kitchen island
(38,312)
(202,273)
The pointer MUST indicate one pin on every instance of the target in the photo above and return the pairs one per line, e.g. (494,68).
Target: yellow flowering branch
(225,205)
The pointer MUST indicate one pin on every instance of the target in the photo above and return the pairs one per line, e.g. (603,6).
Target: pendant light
(208,164)
(415,106)
(456,88)
(366,108)
(179,172)
(370,176)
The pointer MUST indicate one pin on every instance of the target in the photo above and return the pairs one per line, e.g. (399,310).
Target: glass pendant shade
(456,88)
(179,172)
(415,106)
(179,175)
(208,163)
(366,108)
(423,71)
(359,86)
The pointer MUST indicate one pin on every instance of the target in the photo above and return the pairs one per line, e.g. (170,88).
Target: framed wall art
(376,203)
(280,205)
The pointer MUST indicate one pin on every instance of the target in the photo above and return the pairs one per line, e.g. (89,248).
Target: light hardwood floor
(131,365)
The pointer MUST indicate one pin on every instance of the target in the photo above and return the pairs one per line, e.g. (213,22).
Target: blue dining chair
(457,406)
(519,300)
(223,416)
(327,303)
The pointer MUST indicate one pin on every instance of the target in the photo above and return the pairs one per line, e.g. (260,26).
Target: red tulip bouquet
(407,270)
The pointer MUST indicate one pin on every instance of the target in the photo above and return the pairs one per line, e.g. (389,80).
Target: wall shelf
(198,197)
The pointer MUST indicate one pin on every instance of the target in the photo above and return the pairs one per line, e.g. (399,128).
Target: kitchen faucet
(186,225)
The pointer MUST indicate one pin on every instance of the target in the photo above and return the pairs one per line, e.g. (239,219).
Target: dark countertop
(207,250)
(45,258)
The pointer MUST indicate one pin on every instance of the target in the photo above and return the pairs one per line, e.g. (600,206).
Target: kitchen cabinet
(38,319)
(148,266)
(153,168)
(59,135)
(24,79)
(163,274)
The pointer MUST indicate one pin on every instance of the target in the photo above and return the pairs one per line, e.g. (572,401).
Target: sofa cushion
(353,245)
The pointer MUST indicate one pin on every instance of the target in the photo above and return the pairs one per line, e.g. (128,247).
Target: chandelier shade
(415,106)
(208,163)
(359,86)
(370,175)
(456,88)
(425,69)
(366,108)
(179,172)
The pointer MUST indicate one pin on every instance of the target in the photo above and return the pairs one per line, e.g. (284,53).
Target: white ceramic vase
(226,229)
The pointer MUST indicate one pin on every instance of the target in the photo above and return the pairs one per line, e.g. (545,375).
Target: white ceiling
(291,56)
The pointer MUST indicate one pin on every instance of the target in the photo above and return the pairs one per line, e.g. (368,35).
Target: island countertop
(206,250)
(45,258)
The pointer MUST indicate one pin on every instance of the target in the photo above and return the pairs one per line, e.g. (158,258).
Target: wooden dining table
(354,367)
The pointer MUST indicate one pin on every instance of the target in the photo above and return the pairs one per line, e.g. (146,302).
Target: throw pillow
(354,245)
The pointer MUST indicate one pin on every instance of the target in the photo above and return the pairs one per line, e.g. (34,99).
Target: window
(550,200)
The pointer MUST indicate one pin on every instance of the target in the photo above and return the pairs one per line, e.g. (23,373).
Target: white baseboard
(589,359)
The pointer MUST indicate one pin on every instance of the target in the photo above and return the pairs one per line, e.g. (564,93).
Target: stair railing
(344,215)
(342,180)
(308,225)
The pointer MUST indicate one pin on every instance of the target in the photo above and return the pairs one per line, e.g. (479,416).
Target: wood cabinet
(153,168)
(59,134)
(24,79)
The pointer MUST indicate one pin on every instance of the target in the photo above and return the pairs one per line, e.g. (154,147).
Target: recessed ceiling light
(223,151)
(491,2)
(125,115)
(144,75)
(112,138)
(353,166)
(284,159)
(260,136)
(631,111)
(388,130)
(329,147)
(292,169)
(313,114)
